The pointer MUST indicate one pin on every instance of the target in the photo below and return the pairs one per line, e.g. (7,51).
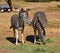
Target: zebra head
(23,14)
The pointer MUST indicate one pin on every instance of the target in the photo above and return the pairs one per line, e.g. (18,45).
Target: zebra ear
(28,10)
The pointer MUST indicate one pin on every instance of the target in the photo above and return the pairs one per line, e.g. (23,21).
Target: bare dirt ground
(52,29)
(5,32)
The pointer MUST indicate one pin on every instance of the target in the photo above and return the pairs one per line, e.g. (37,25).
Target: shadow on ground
(12,40)
(31,38)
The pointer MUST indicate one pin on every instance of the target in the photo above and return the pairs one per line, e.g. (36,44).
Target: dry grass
(52,30)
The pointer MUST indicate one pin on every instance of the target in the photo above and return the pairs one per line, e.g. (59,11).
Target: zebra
(17,23)
(39,23)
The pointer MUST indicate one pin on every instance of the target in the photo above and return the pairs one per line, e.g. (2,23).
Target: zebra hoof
(34,42)
(22,42)
(16,43)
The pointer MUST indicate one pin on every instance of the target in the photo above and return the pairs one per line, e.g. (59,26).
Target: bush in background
(40,0)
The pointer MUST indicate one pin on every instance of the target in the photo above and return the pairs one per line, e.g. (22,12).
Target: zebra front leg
(22,38)
(34,36)
(16,36)
(22,35)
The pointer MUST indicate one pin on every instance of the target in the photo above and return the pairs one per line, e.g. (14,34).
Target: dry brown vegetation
(52,30)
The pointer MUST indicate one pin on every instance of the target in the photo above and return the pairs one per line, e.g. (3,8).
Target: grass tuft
(49,40)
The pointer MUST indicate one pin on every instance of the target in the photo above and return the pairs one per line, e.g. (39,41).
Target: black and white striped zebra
(17,23)
(39,23)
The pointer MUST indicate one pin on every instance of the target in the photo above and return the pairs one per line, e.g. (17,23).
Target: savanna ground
(52,30)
